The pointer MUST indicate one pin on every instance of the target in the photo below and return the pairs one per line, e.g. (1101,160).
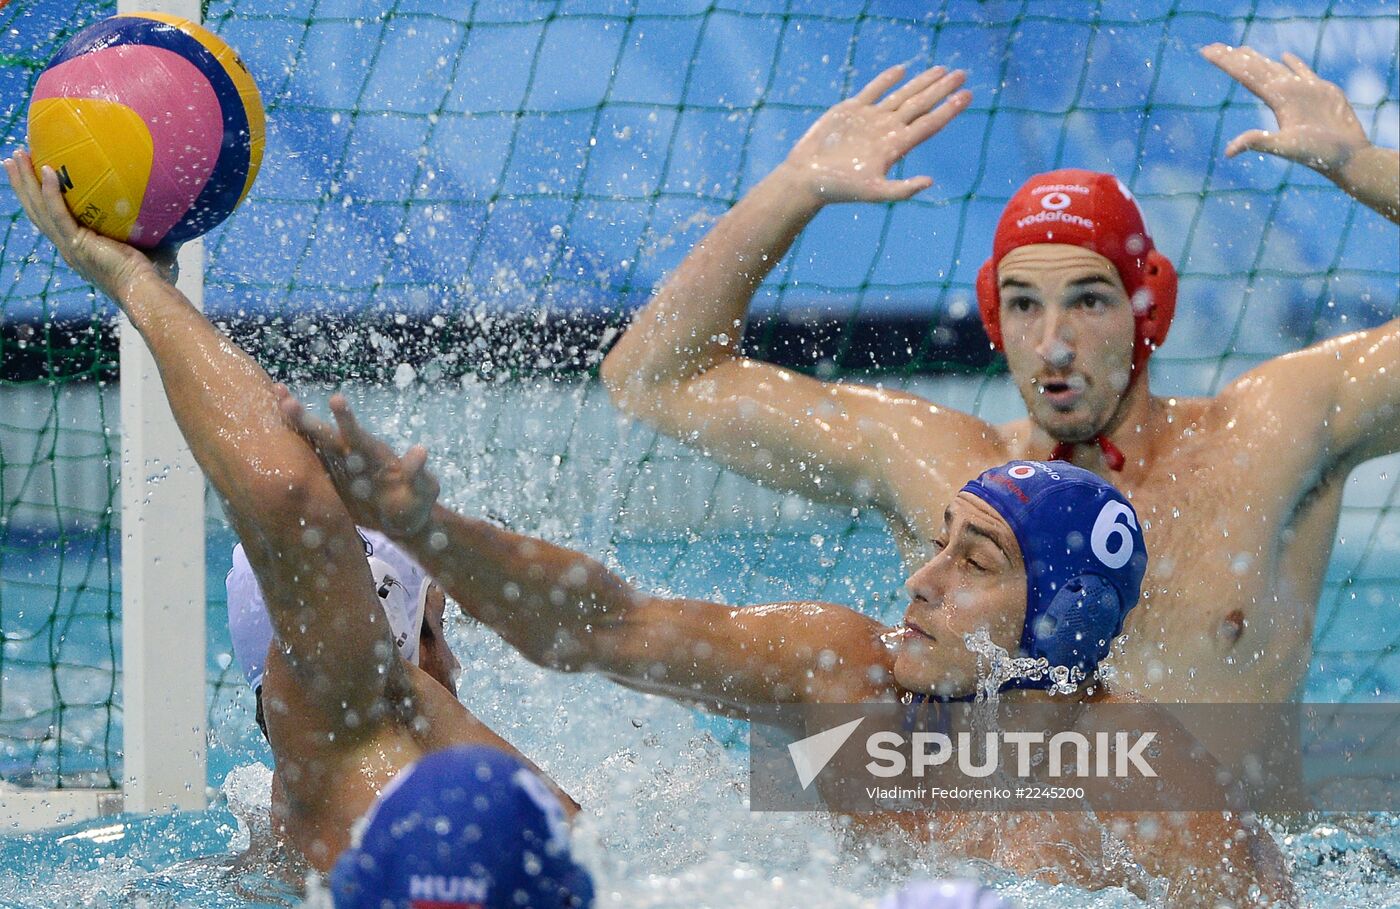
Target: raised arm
(297,535)
(679,368)
(1318,412)
(1347,387)
(564,610)
(1316,126)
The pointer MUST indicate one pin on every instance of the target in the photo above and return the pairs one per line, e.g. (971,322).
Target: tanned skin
(344,712)
(564,610)
(1240,494)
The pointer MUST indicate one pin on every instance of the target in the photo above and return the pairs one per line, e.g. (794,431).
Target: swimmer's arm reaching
(1317,127)
(564,610)
(294,529)
(679,366)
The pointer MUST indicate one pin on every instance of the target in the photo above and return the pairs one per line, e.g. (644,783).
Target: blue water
(192,859)
(61,602)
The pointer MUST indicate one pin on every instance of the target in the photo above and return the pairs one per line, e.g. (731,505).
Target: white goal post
(163,597)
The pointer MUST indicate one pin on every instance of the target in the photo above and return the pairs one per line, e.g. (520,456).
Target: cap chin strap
(924,697)
(1020,684)
(1112,454)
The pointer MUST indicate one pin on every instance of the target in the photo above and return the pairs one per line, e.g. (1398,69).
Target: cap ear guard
(1159,281)
(989,302)
(1068,632)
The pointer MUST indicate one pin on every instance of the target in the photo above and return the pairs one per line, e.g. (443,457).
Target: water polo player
(1078,297)
(347,717)
(1044,559)
(413,606)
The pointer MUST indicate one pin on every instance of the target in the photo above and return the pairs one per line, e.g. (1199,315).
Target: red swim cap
(1097,212)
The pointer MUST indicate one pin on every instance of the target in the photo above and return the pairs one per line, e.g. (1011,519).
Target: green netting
(458,205)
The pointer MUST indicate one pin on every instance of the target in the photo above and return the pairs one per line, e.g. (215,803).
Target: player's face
(975,580)
(1067,327)
(435,657)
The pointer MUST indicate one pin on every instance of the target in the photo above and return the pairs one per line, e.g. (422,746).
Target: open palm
(847,154)
(1316,124)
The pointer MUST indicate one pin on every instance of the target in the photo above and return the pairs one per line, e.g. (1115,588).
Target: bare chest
(1235,570)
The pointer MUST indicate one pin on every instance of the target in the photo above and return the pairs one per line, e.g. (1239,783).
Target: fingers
(933,95)
(880,84)
(921,129)
(361,443)
(11,173)
(42,200)
(1299,68)
(1243,64)
(415,466)
(1253,140)
(1256,72)
(20,170)
(58,221)
(53,198)
(16,177)
(911,88)
(322,436)
(350,428)
(414,460)
(1231,61)
(293,410)
(899,190)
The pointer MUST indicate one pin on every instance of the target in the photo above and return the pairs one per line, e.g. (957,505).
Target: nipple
(1231,627)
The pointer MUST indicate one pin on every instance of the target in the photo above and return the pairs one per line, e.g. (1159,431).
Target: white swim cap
(401,583)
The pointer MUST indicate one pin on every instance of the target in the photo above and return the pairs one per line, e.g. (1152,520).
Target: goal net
(459,209)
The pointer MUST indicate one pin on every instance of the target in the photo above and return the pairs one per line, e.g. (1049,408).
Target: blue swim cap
(1084,555)
(468,826)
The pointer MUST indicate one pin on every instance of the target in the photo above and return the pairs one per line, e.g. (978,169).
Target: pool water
(663,787)
(666,822)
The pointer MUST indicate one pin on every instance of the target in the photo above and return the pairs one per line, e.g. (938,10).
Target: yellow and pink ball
(153,124)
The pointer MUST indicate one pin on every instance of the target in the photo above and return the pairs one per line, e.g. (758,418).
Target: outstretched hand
(382,491)
(110,265)
(848,152)
(1316,124)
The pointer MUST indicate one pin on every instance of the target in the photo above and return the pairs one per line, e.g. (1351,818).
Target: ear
(989,302)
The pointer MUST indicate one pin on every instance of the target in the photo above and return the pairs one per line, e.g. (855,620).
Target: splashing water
(996,668)
(667,822)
